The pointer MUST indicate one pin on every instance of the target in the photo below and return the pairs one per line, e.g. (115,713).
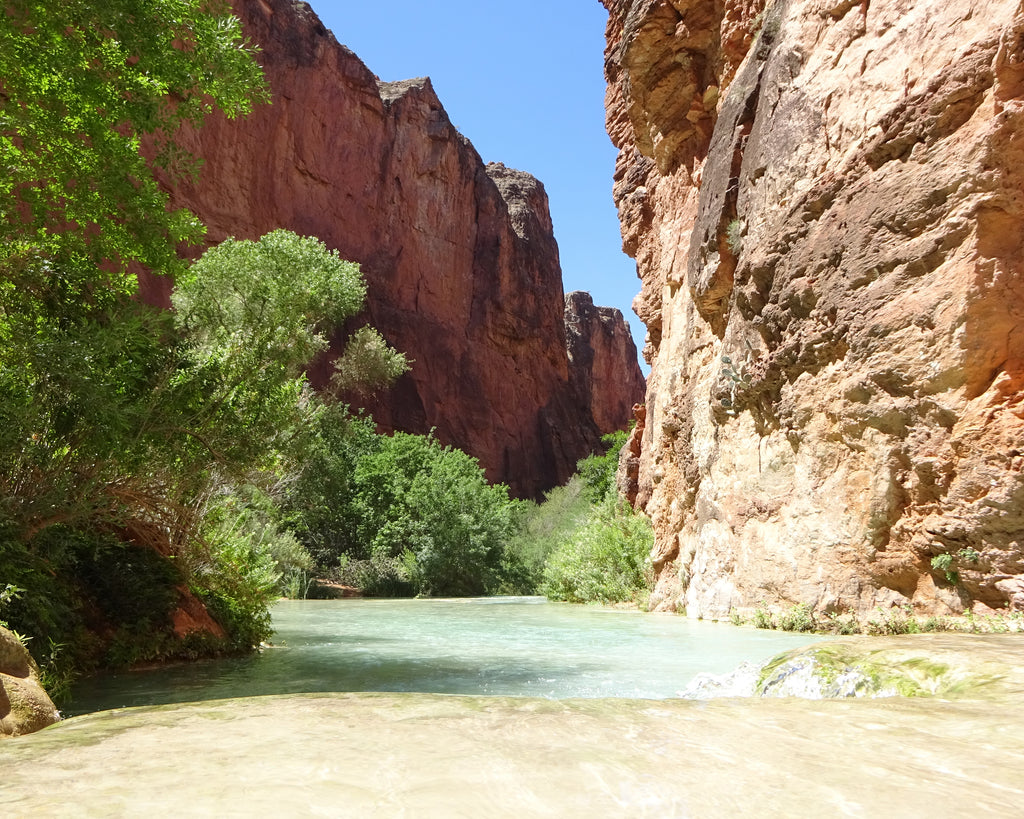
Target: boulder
(24,705)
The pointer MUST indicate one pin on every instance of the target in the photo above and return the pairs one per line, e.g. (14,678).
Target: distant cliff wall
(604,372)
(460,259)
(825,203)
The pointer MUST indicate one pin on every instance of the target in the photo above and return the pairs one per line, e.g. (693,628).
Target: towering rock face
(460,260)
(825,202)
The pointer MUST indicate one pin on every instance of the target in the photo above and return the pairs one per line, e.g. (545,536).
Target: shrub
(542,527)
(606,560)
(430,508)
(597,472)
(403,514)
(799,618)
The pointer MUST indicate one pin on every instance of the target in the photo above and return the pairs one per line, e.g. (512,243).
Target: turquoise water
(493,646)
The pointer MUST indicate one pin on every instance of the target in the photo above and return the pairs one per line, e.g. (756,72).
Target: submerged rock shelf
(430,755)
(942,665)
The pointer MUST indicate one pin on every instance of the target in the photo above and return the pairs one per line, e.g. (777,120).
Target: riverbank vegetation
(585,544)
(894,620)
(130,435)
(403,515)
(164,474)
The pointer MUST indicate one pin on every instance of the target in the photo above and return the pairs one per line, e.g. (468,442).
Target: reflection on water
(492,646)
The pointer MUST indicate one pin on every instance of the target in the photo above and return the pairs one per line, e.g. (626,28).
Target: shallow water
(429,755)
(489,646)
(436,755)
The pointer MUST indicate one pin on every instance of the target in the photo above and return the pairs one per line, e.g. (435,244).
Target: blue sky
(524,81)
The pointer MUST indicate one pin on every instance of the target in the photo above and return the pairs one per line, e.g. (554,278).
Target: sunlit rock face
(460,257)
(824,200)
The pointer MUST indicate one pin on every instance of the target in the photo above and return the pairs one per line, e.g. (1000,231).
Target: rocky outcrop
(604,372)
(460,259)
(824,201)
(24,705)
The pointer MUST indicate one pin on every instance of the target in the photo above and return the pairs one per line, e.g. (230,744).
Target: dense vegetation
(400,515)
(404,515)
(130,437)
(593,546)
(155,464)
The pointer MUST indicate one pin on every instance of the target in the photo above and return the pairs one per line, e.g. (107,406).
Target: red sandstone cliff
(460,259)
(603,369)
(825,202)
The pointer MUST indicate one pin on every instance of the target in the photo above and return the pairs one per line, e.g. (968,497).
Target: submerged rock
(24,705)
(948,666)
(430,755)
(741,682)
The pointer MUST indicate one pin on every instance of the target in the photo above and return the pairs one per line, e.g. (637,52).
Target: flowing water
(543,737)
(490,646)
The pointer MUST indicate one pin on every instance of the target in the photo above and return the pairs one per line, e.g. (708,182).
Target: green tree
(83,85)
(252,316)
(598,471)
(97,392)
(410,515)
(147,424)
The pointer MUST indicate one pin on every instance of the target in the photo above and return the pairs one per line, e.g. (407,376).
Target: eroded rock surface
(825,204)
(460,258)
(949,666)
(24,705)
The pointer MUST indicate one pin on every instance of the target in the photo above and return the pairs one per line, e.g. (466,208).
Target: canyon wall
(825,201)
(460,259)
(604,373)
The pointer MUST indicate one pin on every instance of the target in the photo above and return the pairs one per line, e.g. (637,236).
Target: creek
(480,646)
(575,713)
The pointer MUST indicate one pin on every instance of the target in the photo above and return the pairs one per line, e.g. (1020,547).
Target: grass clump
(891,621)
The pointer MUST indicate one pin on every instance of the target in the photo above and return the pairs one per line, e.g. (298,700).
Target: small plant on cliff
(799,618)
(944,563)
(734,236)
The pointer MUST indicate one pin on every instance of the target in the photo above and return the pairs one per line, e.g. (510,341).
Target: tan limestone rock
(832,283)
(24,705)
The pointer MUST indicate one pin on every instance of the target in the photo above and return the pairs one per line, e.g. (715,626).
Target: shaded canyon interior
(460,258)
(824,199)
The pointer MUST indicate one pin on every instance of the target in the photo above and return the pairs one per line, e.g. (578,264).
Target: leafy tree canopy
(81,84)
(403,512)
